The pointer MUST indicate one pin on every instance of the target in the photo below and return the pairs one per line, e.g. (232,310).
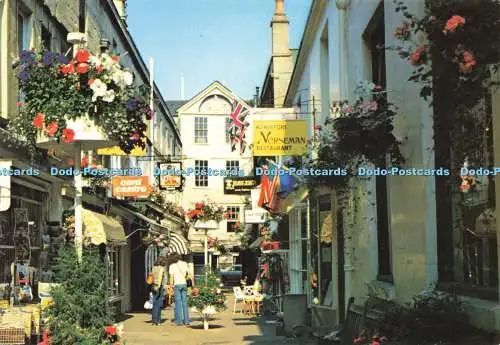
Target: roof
(174,105)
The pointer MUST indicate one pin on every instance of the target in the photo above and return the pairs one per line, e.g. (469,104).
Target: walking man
(178,272)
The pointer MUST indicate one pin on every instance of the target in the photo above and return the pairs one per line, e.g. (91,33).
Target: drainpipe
(343,6)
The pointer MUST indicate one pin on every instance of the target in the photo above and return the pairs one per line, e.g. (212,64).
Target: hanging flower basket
(205,216)
(91,100)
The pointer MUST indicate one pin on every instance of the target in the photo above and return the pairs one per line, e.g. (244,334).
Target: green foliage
(80,311)
(209,294)
(431,316)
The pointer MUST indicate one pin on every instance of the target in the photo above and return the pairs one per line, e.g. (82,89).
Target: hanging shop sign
(130,186)
(170,175)
(137,151)
(239,185)
(256,216)
(279,138)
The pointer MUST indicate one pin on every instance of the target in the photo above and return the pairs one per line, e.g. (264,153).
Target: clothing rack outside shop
(275,276)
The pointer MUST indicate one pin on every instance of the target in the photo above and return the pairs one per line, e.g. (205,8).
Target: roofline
(302,55)
(139,62)
(206,88)
(268,76)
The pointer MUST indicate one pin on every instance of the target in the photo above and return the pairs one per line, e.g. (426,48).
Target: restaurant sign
(239,185)
(279,138)
(130,186)
(170,175)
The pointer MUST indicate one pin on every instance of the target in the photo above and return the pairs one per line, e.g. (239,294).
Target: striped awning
(99,228)
(178,244)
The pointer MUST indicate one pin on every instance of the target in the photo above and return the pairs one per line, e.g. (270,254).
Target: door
(340,265)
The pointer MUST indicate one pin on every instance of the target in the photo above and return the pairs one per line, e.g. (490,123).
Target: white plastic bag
(148,305)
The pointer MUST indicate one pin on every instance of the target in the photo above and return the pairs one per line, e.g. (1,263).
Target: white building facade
(203,123)
(387,238)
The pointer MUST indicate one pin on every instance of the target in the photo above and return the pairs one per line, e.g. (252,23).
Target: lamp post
(206,226)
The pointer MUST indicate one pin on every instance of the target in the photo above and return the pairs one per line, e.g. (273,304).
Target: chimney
(121,7)
(282,56)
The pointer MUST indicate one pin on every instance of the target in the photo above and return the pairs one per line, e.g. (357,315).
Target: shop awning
(99,228)
(156,227)
(178,244)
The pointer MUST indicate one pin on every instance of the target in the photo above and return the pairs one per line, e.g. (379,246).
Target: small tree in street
(80,312)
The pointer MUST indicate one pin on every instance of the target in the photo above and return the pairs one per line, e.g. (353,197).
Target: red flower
(90,82)
(68,135)
(82,56)
(70,161)
(115,58)
(52,128)
(82,68)
(383,339)
(375,343)
(453,23)
(111,330)
(99,69)
(358,340)
(39,120)
(67,69)
(19,104)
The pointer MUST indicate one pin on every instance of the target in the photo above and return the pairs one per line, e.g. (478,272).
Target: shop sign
(130,186)
(170,175)
(137,151)
(255,216)
(239,185)
(279,138)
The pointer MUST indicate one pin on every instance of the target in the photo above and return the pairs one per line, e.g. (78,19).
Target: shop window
(321,254)
(114,274)
(201,176)
(375,37)
(466,218)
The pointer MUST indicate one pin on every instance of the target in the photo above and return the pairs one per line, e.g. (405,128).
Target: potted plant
(205,215)
(207,301)
(90,98)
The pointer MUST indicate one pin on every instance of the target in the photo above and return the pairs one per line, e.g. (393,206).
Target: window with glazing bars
(201,130)
(201,177)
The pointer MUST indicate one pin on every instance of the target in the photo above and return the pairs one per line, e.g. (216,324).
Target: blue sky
(207,40)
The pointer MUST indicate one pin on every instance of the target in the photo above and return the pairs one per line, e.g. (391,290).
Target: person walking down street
(158,289)
(178,272)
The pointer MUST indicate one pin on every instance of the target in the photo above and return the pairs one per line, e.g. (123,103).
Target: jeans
(181,307)
(157,305)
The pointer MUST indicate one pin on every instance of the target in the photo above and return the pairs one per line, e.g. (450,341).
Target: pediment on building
(214,100)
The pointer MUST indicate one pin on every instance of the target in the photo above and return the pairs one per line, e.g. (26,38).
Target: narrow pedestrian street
(227,328)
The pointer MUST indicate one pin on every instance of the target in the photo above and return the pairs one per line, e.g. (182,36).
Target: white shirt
(179,270)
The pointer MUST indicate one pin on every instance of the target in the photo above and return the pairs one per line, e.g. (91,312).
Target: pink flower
(317,127)
(453,23)
(347,109)
(468,62)
(52,128)
(19,104)
(82,68)
(371,106)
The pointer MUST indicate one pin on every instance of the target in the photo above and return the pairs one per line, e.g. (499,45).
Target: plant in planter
(207,301)
(205,212)
(356,134)
(96,88)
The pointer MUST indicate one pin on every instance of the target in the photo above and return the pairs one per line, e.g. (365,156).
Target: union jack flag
(238,126)
(269,188)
